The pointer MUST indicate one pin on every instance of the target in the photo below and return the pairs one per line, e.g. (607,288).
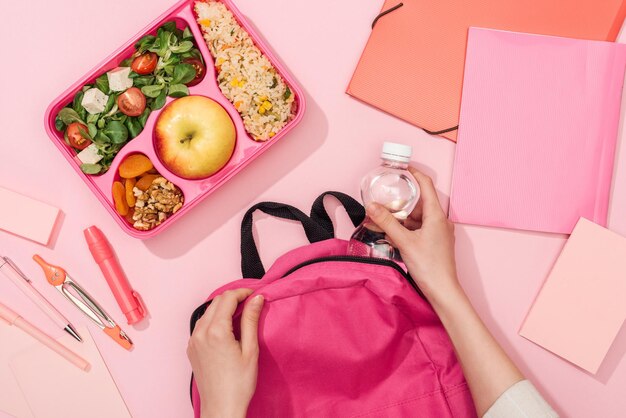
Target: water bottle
(392,186)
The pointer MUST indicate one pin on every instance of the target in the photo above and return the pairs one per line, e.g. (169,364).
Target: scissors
(59,278)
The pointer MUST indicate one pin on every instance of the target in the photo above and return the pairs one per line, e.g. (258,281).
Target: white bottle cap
(396,152)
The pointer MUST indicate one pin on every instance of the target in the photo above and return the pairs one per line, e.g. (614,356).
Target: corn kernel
(220,61)
(272,134)
(238,104)
(205,22)
(267,105)
(234,82)
(262,110)
(262,98)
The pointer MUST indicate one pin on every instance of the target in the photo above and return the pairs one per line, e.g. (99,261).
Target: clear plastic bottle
(392,186)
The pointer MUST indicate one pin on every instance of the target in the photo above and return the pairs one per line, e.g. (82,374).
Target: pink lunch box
(246,149)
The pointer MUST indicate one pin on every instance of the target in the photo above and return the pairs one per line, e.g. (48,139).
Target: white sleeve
(521,400)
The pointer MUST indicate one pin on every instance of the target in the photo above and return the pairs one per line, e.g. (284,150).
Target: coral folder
(412,65)
(539,124)
(581,308)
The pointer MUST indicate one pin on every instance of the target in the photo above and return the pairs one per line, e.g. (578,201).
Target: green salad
(107,114)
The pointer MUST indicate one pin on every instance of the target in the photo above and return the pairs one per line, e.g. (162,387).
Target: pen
(11,271)
(12,318)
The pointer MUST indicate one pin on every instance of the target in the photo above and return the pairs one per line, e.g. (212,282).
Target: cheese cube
(119,79)
(94,101)
(89,155)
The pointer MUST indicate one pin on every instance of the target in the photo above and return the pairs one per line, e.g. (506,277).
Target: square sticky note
(581,306)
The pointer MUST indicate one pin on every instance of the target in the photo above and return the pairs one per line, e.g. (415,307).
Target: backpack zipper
(363,260)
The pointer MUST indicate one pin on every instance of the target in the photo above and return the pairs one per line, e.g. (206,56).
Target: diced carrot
(238,103)
(119,198)
(134,166)
(130,196)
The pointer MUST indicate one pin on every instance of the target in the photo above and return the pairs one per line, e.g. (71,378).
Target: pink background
(48,45)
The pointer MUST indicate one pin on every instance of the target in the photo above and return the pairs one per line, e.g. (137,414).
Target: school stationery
(12,318)
(10,270)
(539,124)
(59,278)
(129,300)
(580,307)
(26,217)
(55,389)
(412,65)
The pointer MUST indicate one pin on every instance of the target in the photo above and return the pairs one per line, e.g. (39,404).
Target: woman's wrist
(207,413)
(446,294)
(210,410)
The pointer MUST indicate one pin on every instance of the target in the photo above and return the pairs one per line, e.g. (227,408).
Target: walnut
(156,204)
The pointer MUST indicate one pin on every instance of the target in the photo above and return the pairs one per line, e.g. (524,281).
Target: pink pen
(11,271)
(12,318)
(129,301)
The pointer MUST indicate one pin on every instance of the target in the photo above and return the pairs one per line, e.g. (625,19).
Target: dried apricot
(134,166)
(119,198)
(129,216)
(145,181)
(130,196)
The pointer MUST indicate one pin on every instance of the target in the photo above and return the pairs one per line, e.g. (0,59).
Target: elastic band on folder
(454,128)
(397,6)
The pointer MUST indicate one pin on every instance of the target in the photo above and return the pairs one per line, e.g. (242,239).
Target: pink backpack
(343,336)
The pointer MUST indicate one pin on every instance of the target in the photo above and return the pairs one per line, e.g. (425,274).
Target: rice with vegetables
(245,75)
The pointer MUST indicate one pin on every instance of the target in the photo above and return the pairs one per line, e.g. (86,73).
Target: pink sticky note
(580,308)
(26,217)
(538,128)
(55,388)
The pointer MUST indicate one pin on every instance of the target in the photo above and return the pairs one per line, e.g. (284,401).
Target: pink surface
(337,142)
(580,308)
(536,144)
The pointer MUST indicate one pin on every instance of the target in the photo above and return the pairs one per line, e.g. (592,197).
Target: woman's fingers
(386,221)
(250,326)
(428,195)
(412,224)
(226,305)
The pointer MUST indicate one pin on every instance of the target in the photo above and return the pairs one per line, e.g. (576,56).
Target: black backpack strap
(355,210)
(251,265)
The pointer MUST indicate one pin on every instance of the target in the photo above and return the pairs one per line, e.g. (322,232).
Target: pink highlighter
(129,300)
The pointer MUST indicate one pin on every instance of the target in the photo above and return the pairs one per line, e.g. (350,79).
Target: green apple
(194,137)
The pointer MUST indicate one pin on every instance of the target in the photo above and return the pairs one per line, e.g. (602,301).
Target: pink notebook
(538,128)
(54,388)
(581,308)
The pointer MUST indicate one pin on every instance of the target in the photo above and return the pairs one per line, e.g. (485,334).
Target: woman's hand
(425,241)
(225,369)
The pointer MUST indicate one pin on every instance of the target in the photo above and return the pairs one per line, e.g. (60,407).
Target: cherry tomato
(199,67)
(145,63)
(132,102)
(77,140)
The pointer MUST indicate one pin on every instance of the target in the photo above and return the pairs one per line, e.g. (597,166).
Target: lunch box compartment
(246,148)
